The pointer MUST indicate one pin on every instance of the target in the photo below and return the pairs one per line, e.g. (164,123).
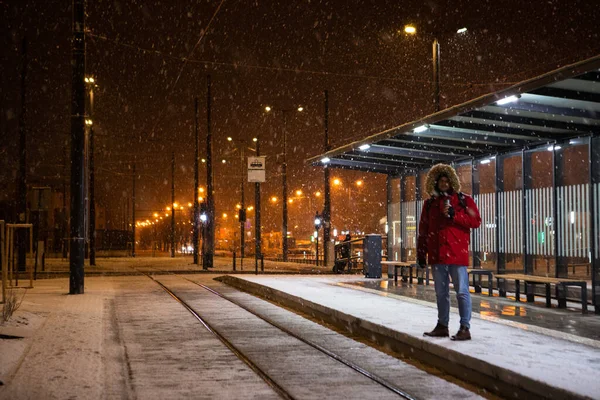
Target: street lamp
(412,30)
(242,209)
(318,222)
(89,122)
(284,202)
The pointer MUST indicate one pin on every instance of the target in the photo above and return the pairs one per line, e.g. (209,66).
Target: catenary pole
(172,204)
(196,183)
(22,175)
(77,254)
(207,257)
(327,205)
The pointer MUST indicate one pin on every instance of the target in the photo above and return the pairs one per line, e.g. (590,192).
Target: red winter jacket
(446,240)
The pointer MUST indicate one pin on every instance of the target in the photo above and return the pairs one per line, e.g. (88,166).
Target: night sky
(151,58)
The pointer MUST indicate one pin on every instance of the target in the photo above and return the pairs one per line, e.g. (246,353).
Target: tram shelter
(530,156)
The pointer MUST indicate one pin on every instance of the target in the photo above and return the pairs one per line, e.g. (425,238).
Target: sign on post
(256,169)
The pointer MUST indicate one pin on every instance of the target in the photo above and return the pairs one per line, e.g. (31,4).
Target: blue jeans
(460,279)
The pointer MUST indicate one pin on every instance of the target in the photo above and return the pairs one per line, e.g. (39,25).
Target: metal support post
(196,183)
(77,254)
(133,214)
(327,194)
(284,228)
(594,159)
(208,243)
(527,178)
(172,204)
(436,74)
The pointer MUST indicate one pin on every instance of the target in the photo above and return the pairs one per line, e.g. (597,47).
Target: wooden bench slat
(560,284)
(540,279)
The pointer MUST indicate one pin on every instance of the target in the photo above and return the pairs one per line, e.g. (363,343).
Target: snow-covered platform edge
(477,368)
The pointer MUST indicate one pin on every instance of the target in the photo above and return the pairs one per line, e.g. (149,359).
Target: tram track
(248,361)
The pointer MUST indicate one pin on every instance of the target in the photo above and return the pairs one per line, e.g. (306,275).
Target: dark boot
(462,334)
(439,331)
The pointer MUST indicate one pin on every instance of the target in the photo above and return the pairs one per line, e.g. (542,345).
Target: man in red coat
(444,234)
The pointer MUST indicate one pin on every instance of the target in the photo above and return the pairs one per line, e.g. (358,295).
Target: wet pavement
(569,320)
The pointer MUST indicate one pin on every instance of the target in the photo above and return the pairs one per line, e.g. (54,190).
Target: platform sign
(256,169)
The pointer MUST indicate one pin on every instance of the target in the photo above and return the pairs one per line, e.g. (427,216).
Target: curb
(493,378)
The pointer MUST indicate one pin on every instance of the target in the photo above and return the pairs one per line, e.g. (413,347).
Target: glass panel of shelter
(573,209)
(509,185)
(539,212)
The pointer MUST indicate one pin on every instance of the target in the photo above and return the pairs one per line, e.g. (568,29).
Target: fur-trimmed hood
(434,174)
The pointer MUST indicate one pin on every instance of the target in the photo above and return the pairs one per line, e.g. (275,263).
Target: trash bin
(372,256)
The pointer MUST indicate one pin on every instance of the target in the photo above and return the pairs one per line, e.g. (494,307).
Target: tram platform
(547,352)
(70,341)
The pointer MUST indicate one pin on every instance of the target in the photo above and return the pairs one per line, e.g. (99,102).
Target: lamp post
(91,84)
(242,210)
(318,221)
(284,202)
(412,30)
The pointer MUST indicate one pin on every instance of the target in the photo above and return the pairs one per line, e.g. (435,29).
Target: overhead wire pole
(284,229)
(196,183)
(21,202)
(327,205)
(208,243)
(133,214)
(76,257)
(92,205)
(436,74)
(242,216)
(172,204)
(258,244)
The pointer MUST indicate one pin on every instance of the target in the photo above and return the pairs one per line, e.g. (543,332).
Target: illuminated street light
(89,122)
(284,203)
(410,29)
(359,183)
(336,181)
(274,199)
(318,194)
(298,192)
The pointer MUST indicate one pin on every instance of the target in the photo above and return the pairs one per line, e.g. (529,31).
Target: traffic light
(242,215)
